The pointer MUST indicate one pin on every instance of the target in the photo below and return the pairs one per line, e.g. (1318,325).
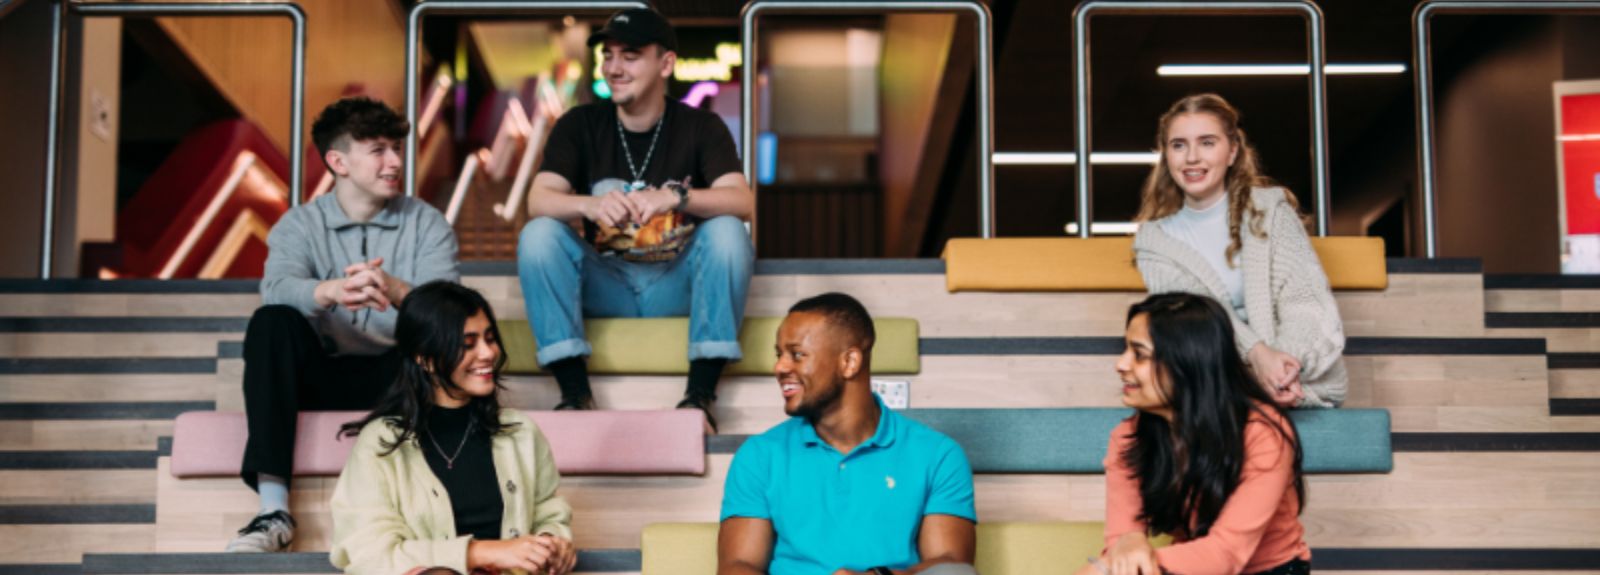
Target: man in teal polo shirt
(845,485)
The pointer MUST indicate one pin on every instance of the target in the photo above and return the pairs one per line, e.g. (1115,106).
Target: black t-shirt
(470,479)
(694,149)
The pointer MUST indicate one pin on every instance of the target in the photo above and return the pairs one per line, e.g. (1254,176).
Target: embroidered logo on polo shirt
(889,480)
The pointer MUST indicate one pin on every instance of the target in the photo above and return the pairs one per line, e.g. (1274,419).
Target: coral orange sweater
(1258,529)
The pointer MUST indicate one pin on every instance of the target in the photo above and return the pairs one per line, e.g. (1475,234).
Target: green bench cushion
(1073,440)
(660,346)
(1043,548)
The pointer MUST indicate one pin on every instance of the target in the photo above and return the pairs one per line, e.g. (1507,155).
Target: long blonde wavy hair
(1162,197)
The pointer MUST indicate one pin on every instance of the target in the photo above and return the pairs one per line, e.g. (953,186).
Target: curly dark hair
(360,118)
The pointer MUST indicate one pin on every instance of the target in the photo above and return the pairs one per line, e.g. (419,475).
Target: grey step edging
(1541,320)
(1400,442)
(1114,345)
(106,365)
(1570,406)
(1540,281)
(77,514)
(130,286)
(158,410)
(75,324)
(1568,360)
(80,460)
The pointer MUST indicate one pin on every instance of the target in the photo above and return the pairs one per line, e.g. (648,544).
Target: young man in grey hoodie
(336,269)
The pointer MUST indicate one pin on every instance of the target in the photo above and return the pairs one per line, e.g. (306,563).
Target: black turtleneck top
(469,476)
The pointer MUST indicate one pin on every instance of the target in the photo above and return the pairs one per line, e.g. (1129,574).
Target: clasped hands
(1278,372)
(365,285)
(542,553)
(615,209)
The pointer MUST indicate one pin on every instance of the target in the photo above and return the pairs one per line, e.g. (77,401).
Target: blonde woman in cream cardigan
(1213,225)
(442,479)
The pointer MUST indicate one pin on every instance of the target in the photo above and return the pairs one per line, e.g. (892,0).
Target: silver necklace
(638,173)
(450,460)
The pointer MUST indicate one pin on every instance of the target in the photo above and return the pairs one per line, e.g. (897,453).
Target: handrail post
(1314,53)
(123,9)
(985,79)
(1422,67)
(52,150)
(414,28)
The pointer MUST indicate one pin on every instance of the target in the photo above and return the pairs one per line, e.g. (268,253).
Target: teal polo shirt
(854,510)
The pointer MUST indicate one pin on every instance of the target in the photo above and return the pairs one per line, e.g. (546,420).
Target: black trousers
(1295,567)
(286,370)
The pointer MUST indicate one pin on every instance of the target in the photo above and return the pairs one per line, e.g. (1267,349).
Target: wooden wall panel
(248,59)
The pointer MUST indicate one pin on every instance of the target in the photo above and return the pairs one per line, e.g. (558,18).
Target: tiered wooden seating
(1479,462)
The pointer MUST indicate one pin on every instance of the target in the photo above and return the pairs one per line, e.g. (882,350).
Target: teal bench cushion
(1073,440)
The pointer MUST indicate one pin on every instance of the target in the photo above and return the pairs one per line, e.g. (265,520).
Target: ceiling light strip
(1277,69)
(1071,159)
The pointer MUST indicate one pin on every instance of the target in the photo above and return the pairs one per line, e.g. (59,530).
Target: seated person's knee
(725,235)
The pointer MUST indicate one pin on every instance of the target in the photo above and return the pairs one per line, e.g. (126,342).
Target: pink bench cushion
(665,442)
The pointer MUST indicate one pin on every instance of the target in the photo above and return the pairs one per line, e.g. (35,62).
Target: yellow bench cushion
(660,346)
(1044,548)
(1106,264)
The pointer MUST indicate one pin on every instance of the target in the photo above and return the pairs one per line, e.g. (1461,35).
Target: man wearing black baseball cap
(658,187)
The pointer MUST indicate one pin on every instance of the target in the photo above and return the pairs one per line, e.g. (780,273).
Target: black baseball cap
(637,27)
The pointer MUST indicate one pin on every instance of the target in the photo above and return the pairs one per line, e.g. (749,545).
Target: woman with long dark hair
(441,476)
(1213,224)
(1207,458)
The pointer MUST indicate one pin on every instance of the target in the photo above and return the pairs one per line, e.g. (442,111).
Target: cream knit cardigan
(1286,293)
(392,514)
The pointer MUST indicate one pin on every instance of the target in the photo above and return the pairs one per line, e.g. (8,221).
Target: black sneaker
(704,405)
(267,533)
(585,403)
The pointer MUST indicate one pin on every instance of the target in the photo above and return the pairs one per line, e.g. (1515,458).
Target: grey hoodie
(316,242)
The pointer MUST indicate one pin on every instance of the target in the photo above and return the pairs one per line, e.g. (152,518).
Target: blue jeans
(565,280)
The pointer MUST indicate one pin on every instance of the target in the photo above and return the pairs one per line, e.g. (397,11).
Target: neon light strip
(241,165)
(699,92)
(1275,69)
(1071,159)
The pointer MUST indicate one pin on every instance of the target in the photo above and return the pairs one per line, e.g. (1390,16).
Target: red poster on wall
(1578,159)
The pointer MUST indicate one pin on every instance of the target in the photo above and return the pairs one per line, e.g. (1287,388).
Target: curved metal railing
(985,78)
(1422,64)
(496,7)
(149,10)
(1314,49)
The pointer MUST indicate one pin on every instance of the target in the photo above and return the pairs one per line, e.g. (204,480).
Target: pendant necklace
(450,460)
(638,173)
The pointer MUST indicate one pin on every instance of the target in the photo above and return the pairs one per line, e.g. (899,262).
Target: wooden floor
(83,414)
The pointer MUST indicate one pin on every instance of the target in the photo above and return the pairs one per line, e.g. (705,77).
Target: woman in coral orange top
(1208,458)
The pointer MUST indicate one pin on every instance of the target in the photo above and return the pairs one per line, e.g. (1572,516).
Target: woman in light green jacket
(441,476)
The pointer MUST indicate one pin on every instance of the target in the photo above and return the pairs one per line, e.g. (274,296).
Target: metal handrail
(1422,64)
(1314,49)
(499,7)
(58,51)
(985,79)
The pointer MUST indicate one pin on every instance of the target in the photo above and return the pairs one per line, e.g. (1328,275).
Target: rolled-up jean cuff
(560,350)
(728,350)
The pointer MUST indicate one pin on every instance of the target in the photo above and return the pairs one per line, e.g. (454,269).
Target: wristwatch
(683,196)
(880,570)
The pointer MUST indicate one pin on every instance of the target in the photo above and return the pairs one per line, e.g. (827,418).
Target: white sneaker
(267,533)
